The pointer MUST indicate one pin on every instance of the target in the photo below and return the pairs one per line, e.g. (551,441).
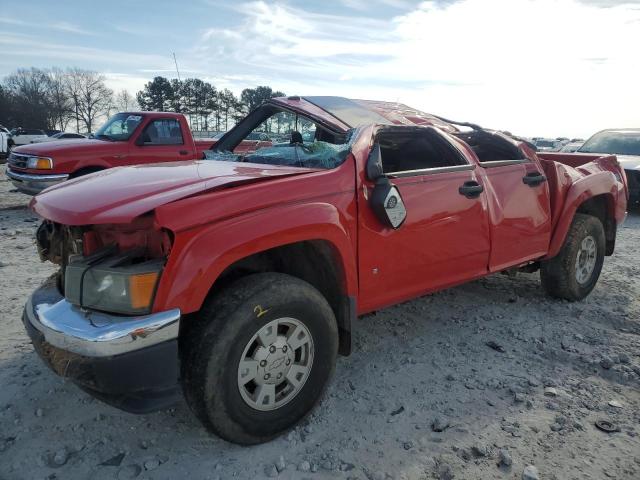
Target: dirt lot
(422,396)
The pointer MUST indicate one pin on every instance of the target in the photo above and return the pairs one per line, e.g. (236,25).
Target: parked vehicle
(127,138)
(4,142)
(548,145)
(625,144)
(238,279)
(60,136)
(571,147)
(23,136)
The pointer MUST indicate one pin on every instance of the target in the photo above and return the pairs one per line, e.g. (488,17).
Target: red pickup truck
(128,138)
(237,279)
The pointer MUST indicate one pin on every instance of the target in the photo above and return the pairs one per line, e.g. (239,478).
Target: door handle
(471,189)
(183,152)
(533,179)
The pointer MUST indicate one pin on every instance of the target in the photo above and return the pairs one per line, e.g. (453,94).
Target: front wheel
(574,272)
(259,357)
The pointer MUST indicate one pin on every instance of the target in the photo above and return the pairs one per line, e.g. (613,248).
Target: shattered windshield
(316,154)
(288,139)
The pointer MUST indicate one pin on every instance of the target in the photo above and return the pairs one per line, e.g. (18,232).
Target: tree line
(206,107)
(59,99)
(77,99)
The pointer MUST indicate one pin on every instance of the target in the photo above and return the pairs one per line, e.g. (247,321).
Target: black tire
(213,346)
(558,275)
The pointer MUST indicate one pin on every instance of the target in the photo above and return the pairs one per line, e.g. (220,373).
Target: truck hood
(118,195)
(56,147)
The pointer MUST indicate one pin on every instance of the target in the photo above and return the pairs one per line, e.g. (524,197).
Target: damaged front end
(93,321)
(111,268)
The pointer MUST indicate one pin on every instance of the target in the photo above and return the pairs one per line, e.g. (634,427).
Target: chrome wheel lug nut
(272,349)
(267,376)
(279,376)
(263,363)
(288,362)
(284,349)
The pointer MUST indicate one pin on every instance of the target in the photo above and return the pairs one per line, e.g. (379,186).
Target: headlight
(114,284)
(40,163)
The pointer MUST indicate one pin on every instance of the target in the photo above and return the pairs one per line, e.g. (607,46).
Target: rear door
(519,211)
(444,239)
(161,140)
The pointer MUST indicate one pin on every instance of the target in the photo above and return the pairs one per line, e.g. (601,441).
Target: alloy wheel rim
(586,259)
(275,364)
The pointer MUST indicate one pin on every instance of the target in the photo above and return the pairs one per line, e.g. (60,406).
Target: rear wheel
(259,357)
(574,272)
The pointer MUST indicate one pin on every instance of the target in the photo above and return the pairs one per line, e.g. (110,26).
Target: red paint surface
(220,212)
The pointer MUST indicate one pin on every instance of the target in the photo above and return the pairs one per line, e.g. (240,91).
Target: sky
(533,67)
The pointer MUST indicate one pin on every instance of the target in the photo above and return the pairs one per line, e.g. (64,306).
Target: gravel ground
(489,380)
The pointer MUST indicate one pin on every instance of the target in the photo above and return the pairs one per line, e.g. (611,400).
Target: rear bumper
(33,184)
(129,362)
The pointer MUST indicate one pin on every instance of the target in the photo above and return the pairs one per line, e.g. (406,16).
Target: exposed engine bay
(135,243)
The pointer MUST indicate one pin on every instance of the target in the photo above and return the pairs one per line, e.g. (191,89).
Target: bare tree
(90,97)
(61,110)
(125,102)
(30,91)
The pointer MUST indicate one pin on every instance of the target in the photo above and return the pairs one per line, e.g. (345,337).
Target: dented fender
(600,183)
(200,255)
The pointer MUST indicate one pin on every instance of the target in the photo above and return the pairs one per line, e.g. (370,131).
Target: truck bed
(565,170)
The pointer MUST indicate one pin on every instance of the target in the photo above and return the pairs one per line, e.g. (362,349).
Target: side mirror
(374,163)
(387,203)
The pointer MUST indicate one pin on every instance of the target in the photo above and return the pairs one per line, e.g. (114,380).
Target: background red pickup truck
(128,138)
(237,278)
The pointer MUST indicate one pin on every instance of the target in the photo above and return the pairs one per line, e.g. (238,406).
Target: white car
(59,136)
(624,143)
(25,136)
(4,142)
(571,147)
(548,145)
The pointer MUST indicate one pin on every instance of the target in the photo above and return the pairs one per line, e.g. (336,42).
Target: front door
(161,141)
(445,237)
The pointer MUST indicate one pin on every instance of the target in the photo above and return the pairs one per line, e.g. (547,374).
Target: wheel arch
(313,247)
(593,195)
(317,262)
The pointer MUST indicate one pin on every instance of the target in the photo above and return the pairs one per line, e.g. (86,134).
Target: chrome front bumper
(96,334)
(33,184)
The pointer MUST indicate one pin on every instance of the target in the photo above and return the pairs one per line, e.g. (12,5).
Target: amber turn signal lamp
(141,288)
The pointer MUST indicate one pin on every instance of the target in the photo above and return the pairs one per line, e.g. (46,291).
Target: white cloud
(70,28)
(60,25)
(25,47)
(536,67)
